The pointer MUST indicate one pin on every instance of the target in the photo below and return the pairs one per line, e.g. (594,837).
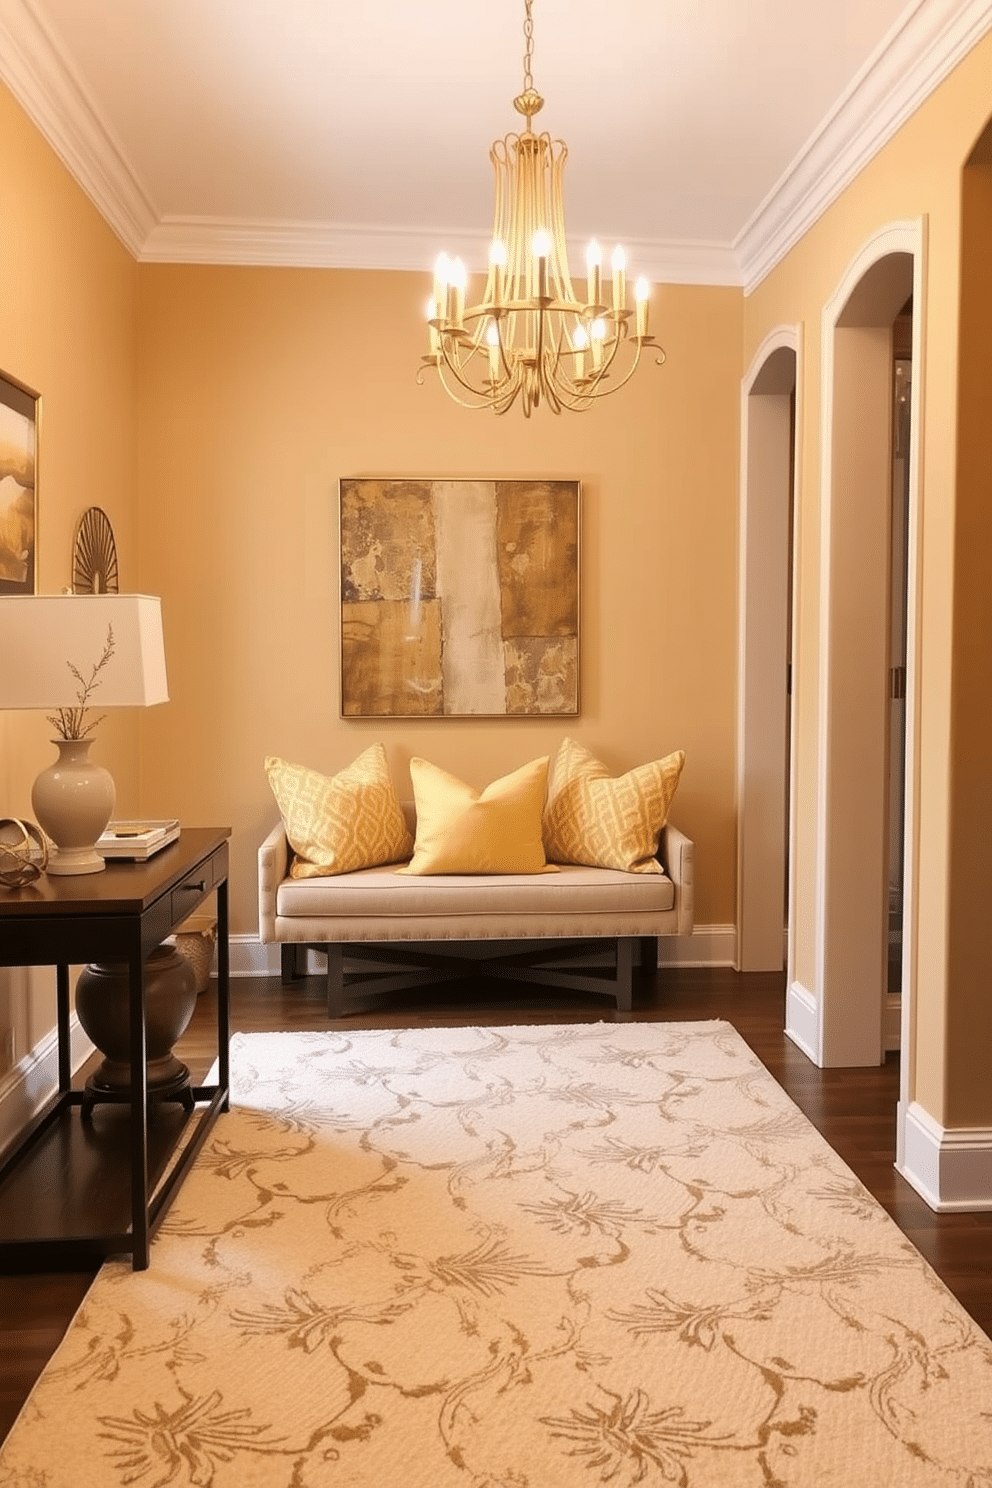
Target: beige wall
(917,174)
(260,388)
(67,329)
(211,411)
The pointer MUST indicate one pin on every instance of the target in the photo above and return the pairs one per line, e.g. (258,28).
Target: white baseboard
(25,1088)
(951,1169)
(709,945)
(248,957)
(801,1024)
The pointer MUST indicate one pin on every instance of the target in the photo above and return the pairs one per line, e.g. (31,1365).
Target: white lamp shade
(41,634)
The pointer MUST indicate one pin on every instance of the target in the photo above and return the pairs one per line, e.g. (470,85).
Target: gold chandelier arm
(598,391)
(499,399)
(546,375)
(480,401)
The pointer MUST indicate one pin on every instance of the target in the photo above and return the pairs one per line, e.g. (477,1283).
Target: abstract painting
(18,494)
(459,598)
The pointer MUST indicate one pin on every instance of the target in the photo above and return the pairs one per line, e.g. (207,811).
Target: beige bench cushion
(382,893)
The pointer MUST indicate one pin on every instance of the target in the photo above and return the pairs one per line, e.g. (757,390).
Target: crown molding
(47,87)
(915,56)
(911,61)
(280,243)
(215,240)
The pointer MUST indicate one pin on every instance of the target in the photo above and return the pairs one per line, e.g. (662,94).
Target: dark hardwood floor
(853,1108)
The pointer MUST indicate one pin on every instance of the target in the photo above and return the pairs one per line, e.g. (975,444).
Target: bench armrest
(676,853)
(273,865)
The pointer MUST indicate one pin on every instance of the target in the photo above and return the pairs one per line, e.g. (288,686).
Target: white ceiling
(704,134)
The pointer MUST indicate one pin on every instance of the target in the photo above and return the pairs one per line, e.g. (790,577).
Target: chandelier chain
(529,46)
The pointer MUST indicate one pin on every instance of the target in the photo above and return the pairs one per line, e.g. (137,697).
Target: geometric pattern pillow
(603,821)
(462,830)
(340,823)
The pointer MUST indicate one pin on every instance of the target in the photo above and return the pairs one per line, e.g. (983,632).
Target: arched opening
(768,482)
(854,786)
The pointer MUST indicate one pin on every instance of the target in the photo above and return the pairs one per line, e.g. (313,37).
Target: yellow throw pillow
(606,822)
(461,831)
(340,823)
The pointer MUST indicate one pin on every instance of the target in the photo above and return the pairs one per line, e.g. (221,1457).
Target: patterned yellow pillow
(340,823)
(605,822)
(461,831)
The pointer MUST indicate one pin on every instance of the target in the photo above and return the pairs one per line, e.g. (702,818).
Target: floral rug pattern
(542,1257)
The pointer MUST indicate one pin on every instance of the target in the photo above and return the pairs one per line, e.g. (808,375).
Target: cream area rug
(543,1257)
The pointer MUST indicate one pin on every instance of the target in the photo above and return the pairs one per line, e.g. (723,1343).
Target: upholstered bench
(437,927)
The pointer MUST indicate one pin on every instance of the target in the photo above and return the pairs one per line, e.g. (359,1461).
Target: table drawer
(196,886)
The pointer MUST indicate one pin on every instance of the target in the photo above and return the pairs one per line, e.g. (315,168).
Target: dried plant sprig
(72,723)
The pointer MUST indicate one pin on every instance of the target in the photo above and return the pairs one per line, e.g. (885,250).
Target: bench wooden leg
(649,953)
(289,962)
(421,967)
(625,973)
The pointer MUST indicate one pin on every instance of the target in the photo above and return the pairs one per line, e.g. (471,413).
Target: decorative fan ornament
(94,554)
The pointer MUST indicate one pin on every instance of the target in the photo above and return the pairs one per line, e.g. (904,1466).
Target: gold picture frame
(19,420)
(459,598)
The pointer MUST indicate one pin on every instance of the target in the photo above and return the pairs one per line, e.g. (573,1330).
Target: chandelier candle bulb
(441,269)
(597,331)
(432,315)
(456,294)
(619,281)
(581,341)
(541,247)
(641,295)
(492,340)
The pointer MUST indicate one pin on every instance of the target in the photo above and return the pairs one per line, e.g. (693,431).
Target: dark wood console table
(59,1165)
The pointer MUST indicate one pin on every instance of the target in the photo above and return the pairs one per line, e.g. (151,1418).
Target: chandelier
(530,337)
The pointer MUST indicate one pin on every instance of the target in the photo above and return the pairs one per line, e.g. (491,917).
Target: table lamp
(72,656)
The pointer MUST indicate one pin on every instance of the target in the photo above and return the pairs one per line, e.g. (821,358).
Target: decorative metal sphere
(23,852)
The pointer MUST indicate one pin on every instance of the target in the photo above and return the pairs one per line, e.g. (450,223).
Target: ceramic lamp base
(74,800)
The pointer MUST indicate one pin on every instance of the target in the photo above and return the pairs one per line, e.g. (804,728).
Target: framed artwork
(459,598)
(18,487)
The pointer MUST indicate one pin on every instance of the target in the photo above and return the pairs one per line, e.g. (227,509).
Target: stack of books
(137,839)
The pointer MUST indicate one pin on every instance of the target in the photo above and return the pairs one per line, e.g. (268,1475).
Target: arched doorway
(770,396)
(852,893)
